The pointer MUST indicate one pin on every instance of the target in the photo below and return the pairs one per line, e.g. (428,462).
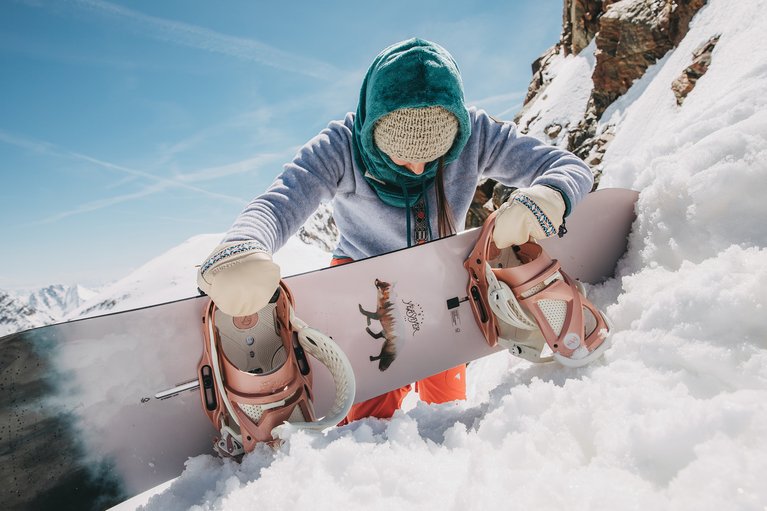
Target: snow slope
(564,101)
(674,417)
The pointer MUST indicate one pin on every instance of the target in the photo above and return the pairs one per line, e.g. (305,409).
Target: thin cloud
(512,110)
(96,205)
(239,167)
(159,183)
(53,150)
(122,182)
(36,146)
(329,102)
(33,47)
(499,98)
(167,182)
(99,204)
(194,36)
(501,105)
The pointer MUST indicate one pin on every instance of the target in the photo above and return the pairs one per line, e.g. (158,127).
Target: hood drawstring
(408,213)
(425,199)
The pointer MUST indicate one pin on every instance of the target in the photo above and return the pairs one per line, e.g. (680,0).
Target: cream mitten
(239,277)
(536,212)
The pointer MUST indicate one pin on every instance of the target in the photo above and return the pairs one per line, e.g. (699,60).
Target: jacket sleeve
(311,177)
(521,161)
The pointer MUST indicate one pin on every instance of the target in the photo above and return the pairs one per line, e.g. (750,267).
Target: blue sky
(128,127)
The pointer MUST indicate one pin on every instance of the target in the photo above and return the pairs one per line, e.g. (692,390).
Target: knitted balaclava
(416,135)
(411,107)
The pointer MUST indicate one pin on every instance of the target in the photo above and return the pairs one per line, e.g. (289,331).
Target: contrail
(194,36)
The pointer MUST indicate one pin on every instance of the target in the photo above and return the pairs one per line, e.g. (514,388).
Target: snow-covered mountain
(675,415)
(58,300)
(20,310)
(15,315)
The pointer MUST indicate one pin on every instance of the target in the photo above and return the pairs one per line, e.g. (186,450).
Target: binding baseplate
(524,301)
(255,374)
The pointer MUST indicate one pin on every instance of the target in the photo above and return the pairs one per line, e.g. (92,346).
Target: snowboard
(97,410)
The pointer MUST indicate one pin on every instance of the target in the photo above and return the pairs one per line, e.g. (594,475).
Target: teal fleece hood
(409,74)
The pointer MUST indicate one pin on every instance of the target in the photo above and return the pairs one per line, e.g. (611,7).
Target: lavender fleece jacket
(324,170)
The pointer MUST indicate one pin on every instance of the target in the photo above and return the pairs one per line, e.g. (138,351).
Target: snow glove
(536,212)
(239,277)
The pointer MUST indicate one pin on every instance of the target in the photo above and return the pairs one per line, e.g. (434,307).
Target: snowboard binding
(254,374)
(523,301)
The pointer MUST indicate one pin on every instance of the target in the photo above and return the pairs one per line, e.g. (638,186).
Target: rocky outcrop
(540,76)
(633,35)
(482,204)
(630,36)
(580,23)
(701,59)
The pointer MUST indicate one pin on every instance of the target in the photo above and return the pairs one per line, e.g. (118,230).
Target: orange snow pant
(443,387)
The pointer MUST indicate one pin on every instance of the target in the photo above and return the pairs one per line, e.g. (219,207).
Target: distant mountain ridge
(16,316)
(58,300)
(23,310)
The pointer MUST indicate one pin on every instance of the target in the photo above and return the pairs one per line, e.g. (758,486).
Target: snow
(673,417)
(564,100)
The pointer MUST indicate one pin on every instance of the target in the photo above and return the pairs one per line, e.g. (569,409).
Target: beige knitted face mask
(416,134)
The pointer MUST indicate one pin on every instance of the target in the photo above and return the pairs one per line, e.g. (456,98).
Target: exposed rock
(541,77)
(478,211)
(701,59)
(501,194)
(580,23)
(525,128)
(488,197)
(102,307)
(633,35)
(593,150)
(630,36)
(553,130)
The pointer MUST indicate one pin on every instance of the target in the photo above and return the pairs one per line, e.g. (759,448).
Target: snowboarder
(401,170)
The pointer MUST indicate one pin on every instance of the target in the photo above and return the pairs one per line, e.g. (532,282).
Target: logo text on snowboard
(413,315)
